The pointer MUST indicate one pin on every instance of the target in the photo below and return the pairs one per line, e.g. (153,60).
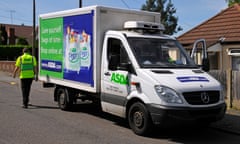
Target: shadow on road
(175,132)
(95,110)
(31,106)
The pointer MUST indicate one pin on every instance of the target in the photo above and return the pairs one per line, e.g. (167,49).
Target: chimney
(11,36)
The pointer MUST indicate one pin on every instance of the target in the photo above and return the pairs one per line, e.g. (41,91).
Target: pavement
(230,123)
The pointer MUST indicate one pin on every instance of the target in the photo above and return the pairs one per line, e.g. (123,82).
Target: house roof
(224,26)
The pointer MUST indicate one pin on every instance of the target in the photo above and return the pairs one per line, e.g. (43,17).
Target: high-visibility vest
(26,62)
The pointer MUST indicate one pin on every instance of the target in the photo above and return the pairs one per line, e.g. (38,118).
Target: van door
(115,76)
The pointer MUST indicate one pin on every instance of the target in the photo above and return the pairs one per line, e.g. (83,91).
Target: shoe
(25,106)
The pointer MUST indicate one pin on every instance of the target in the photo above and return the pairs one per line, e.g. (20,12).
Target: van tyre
(65,101)
(139,119)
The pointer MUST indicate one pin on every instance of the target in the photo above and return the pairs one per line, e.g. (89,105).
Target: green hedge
(11,52)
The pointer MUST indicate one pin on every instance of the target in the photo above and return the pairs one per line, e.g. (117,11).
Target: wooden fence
(221,76)
(230,81)
(235,89)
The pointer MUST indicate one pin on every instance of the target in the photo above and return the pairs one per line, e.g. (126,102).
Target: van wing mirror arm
(205,61)
(204,48)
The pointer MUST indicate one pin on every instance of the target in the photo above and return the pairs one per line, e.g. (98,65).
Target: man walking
(27,65)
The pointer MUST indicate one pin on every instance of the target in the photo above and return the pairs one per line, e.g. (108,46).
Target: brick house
(18,31)
(222,35)
(14,32)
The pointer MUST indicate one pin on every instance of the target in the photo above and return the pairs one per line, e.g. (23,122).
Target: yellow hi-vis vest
(26,62)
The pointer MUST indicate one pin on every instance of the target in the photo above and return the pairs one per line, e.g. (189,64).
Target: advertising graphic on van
(66,47)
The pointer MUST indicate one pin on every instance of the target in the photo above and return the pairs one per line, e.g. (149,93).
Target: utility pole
(11,15)
(80,3)
(34,30)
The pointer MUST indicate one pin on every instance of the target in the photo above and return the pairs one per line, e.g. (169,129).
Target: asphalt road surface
(44,123)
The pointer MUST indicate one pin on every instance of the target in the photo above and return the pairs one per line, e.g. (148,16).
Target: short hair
(26,50)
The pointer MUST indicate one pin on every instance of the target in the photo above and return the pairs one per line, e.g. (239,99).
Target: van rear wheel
(64,101)
(139,119)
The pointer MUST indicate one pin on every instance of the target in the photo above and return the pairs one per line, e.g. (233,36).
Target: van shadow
(96,110)
(190,132)
(220,132)
(229,124)
(177,132)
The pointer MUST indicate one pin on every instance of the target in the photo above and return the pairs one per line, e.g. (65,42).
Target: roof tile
(225,24)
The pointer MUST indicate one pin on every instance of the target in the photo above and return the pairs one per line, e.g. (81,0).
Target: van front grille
(202,97)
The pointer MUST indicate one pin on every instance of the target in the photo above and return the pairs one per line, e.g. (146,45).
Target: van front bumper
(162,114)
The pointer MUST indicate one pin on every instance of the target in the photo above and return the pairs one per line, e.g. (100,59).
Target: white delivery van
(121,59)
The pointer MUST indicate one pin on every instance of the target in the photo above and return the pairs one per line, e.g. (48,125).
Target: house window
(236,63)
(235,54)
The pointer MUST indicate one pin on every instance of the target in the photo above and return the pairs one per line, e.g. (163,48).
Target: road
(44,123)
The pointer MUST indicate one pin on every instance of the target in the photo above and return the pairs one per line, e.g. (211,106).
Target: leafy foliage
(232,2)
(3,35)
(11,52)
(22,41)
(167,14)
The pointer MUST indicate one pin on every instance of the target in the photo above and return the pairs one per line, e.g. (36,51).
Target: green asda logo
(119,78)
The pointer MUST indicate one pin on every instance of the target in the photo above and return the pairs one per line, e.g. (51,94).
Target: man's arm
(15,71)
(17,67)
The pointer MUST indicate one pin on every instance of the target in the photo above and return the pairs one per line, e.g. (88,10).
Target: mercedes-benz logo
(205,97)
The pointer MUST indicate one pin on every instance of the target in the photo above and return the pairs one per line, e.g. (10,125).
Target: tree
(22,41)
(167,14)
(3,35)
(232,2)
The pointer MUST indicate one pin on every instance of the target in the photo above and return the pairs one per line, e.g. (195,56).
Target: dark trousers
(26,87)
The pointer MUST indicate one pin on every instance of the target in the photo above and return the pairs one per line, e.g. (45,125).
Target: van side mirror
(205,64)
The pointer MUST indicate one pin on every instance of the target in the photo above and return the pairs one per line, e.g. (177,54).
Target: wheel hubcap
(61,99)
(138,119)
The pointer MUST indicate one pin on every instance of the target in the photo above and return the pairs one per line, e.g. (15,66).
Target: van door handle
(107,74)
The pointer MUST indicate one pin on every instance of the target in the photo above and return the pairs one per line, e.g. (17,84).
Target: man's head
(26,50)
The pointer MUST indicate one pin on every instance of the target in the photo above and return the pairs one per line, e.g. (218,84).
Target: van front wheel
(139,119)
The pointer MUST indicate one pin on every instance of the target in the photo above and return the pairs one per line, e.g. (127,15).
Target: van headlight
(168,94)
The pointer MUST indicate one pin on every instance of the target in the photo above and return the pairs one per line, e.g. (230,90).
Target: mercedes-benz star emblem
(205,97)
